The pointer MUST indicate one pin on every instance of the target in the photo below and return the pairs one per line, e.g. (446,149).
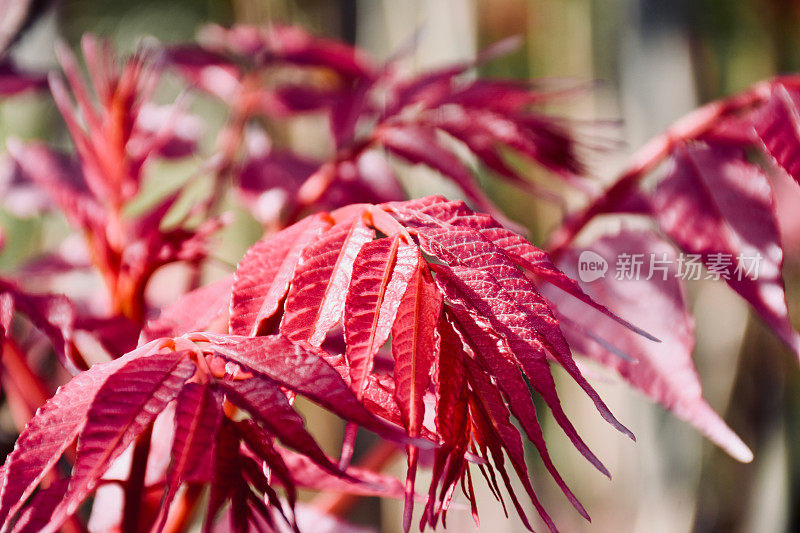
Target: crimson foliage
(426,322)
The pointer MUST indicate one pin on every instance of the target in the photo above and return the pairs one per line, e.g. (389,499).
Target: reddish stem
(134,489)
(25,391)
(182,510)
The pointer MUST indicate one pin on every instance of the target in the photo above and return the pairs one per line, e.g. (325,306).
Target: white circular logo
(591,266)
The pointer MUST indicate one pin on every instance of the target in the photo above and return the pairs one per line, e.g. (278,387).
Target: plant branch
(24,389)
(182,510)
(689,127)
(134,489)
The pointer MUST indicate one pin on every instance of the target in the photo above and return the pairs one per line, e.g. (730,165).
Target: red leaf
(51,431)
(381,273)
(126,404)
(538,137)
(452,419)
(378,398)
(294,45)
(461,126)
(260,443)
(450,383)
(38,513)
(301,368)
(117,334)
(267,404)
(524,254)
(53,315)
(777,123)
(663,371)
(290,98)
(262,277)
(474,289)
(102,133)
(502,320)
(714,203)
(414,344)
(523,317)
(197,418)
(314,304)
(494,354)
(415,347)
(491,404)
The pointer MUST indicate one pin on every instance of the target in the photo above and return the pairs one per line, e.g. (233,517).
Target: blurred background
(648,62)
